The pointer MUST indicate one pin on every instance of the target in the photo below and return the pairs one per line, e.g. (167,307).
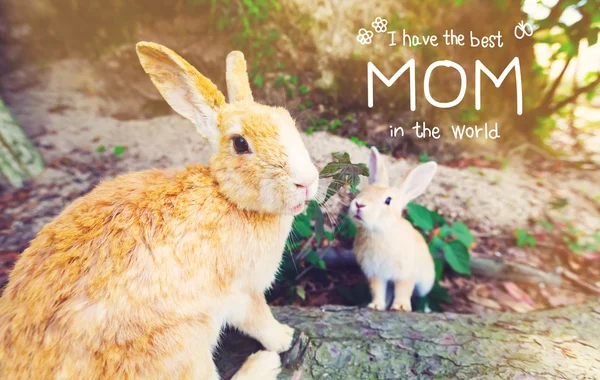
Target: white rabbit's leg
(253,316)
(403,289)
(262,365)
(378,287)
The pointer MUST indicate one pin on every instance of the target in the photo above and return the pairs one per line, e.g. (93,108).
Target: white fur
(387,247)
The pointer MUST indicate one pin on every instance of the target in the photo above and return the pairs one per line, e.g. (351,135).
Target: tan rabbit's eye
(388,200)
(240,145)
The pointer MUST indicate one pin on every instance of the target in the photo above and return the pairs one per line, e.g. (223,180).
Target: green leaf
(301,227)
(463,233)
(346,227)
(437,296)
(419,216)
(424,158)
(358,141)
(303,90)
(300,292)
(343,172)
(436,244)
(315,260)
(259,80)
(457,256)
(119,150)
(445,231)
(329,235)
(439,268)
(437,219)
(319,223)
(101,149)
(523,237)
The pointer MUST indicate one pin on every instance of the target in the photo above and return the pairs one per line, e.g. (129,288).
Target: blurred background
(525,208)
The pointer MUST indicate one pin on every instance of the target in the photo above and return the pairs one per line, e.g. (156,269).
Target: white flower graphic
(364,36)
(380,25)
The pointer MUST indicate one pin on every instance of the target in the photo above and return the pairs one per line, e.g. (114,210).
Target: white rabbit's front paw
(278,338)
(401,306)
(376,306)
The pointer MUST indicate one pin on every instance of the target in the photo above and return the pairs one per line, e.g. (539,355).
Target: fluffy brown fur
(137,278)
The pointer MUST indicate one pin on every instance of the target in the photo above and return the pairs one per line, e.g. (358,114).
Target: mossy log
(19,159)
(338,342)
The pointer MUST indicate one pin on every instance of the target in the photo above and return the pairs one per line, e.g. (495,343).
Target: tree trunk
(338,342)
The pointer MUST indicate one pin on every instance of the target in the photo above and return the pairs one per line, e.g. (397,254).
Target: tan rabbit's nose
(306,184)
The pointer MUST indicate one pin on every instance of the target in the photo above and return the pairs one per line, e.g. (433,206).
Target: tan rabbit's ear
(238,85)
(187,91)
(417,180)
(378,174)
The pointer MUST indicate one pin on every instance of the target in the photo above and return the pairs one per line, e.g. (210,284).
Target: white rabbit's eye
(240,145)
(388,200)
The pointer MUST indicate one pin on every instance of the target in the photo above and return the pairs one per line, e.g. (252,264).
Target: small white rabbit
(387,246)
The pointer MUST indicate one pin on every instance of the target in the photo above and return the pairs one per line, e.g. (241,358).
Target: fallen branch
(577,281)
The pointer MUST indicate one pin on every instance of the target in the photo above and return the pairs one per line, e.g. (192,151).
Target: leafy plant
(343,172)
(524,238)
(448,244)
(309,230)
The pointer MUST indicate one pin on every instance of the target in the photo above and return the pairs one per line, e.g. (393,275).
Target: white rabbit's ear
(378,174)
(188,92)
(238,84)
(417,180)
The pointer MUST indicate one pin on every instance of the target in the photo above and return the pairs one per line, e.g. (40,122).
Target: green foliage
(420,216)
(101,149)
(576,240)
(118,150)
(463,233)
(457,256)
(358,141)
(311,225)
(346,227)
(343,172)
(448,244)
(323,124)
(424,158)
(524,238)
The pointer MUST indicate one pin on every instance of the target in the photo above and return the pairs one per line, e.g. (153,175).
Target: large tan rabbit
(387,247)
(137,278)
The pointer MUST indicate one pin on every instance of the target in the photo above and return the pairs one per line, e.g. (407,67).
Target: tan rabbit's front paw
(264,365)
(278,338)
(376,306)
(401,306)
